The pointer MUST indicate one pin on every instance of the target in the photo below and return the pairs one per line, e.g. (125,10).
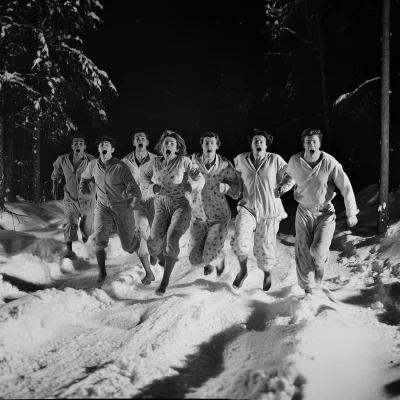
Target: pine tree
(43,68)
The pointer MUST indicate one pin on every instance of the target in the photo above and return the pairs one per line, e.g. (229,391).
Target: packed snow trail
(203,339)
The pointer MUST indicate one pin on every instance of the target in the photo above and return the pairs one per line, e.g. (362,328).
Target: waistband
(317,207)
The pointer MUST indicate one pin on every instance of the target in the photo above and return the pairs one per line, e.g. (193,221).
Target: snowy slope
(203,339)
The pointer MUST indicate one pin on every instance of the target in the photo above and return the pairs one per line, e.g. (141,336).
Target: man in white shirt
(137,161)
(259,211)
(316,174)
(77,206)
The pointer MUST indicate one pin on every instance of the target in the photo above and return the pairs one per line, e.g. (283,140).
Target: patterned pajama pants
(264,243)
(314,231)
(171,221)
(121,216)
(73,210)
(206,241)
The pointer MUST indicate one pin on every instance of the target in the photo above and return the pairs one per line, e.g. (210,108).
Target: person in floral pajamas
(76,206)
(116,190)
(174,175)
(137,161)
(259,211)
(210,209)
(316,174)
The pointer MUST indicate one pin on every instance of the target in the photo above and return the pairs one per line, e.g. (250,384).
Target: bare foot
(160,291)
(208,269)
(240,277)
(148,279)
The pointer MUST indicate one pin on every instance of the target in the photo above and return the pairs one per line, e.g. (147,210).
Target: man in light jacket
(137,161)
(77,207)
(116,190)
(316,174)
(259,211)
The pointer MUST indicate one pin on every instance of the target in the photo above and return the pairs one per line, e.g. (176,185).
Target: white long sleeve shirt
(137,170)
(258,184)
(317,185)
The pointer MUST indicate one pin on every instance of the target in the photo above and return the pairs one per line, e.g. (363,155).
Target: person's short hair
(181,146)
(311,132)
(209,134)
(138,130)
(105,138)
(258,132)
(78,136)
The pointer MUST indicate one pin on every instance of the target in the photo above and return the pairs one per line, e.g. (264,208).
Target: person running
(137,161)
(77,207)
(174,175)
(259,212)
(315,174)
(210,209)
(116,190)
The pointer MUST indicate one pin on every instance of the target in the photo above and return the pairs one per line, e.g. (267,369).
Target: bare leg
(319,275)
(69,253)
(149,277)
(242,275)
(169,266)
(161,259)
(221,267)
(267,281)
(101,262)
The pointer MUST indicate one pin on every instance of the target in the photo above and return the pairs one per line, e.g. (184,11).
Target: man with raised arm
(316,174)
(78,208)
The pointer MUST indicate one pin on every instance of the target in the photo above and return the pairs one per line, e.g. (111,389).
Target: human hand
(187,187)
(278,191)
(84,188)
(223,187)
(157,189)
(352,221)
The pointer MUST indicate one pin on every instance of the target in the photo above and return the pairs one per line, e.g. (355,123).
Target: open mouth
(258,149)
(168,152)
(312,151)
(209,150)
(77,150)
(140,146)
(104,152)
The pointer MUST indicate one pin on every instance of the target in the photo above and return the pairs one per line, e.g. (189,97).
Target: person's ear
(112,149)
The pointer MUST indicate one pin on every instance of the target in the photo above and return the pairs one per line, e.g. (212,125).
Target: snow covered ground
(60,336)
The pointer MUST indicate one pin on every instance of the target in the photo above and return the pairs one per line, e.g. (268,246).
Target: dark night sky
(167,59)
(188,66)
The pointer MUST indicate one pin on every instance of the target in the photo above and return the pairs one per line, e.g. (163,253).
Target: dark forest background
(198,66)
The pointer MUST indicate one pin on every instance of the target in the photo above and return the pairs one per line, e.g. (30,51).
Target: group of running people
(152,200)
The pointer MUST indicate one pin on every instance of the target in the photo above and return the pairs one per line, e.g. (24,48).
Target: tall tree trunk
(383,210)
(1,162)
(22,189)
(327,133)
(9,133)
(36,162)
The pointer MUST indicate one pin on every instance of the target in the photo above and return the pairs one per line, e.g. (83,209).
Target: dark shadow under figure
(206,364)
(392,389)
